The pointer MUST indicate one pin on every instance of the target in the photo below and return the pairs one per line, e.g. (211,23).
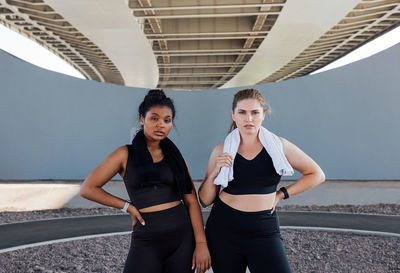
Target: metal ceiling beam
(205,54)
(194,64)
(203,66)
(205,50)
(207,15)
(208,7)
(208,38)
(206,33)
(192,76)
(186,82)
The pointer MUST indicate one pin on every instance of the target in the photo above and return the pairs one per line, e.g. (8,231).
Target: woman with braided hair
(169,237)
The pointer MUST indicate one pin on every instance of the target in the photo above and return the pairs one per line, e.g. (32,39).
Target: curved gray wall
(57,127)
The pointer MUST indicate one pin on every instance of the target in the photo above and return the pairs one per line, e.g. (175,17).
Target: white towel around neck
(271,143)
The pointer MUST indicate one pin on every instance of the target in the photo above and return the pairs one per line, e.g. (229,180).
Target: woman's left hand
(278,197)
(201,258)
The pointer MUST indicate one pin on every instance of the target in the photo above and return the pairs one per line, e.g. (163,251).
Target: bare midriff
(160,206)
(248,202)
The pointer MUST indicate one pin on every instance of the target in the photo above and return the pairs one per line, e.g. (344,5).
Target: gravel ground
(7,217)
(20,216)
(308,251)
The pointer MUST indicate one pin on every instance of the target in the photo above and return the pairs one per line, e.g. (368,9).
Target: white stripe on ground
(64,240)
(355,231)
(338,212)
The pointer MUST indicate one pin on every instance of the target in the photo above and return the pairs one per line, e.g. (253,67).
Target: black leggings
(164,245)
(238,239)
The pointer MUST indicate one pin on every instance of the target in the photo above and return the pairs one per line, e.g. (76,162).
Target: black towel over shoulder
(149,174)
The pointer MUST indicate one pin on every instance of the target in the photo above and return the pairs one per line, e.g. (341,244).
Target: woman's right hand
(135,214)
(223,160)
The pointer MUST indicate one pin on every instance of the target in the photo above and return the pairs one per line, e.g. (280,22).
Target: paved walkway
(18,234)
(52,194)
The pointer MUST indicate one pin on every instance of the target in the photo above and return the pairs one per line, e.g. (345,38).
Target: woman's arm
(208,190)
(312,173)
(92,186)
(201,256)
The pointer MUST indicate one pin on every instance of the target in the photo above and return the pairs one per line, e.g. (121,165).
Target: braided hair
(153,98)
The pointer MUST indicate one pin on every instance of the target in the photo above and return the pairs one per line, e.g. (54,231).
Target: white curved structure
(186,45)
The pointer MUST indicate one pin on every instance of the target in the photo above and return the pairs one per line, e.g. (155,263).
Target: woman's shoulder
(118,156)
(218,149)
(286,145)
(121,152)
(283,140)
(126,147)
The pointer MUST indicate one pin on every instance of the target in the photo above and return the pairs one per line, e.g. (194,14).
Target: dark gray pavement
(12,235)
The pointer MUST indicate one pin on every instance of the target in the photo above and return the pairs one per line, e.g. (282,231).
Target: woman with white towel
(243,228)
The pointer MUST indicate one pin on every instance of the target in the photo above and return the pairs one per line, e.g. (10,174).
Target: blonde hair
(249,94)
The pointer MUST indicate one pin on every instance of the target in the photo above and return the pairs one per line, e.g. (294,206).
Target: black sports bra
(256,176)
(150,195)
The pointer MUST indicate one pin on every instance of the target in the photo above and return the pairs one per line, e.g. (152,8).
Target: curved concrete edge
(339,212)
(287,38)
(115,30)
(344,230)
(32,196)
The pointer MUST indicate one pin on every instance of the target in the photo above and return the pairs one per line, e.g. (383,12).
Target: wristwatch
(125,208)
(285,193)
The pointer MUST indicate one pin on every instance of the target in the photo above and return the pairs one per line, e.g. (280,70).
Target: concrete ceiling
(191,44)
